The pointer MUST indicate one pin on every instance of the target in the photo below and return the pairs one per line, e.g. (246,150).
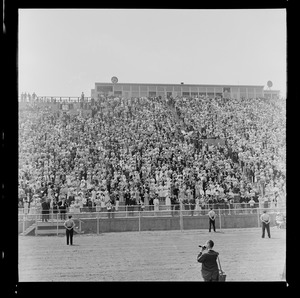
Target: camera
(203,246)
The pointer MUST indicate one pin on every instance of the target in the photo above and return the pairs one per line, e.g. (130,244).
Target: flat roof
(159,84)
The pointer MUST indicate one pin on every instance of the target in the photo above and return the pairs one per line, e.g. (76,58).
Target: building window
(135,88)
(126,87)
(144,88)
(135,94)
(104,89)
(268,95)
(185,93)
(152,93)
(169,94)
(117,87)
(226,89)
(118,93)
(194,94)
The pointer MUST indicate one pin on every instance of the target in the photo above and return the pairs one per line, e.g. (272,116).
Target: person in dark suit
(208,258)
(69,225)
(55,209)
(45,210)
(173,205)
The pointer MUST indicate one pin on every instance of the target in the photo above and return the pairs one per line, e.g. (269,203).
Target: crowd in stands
(141,151)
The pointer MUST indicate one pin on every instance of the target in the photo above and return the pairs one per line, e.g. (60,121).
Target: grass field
(151,256)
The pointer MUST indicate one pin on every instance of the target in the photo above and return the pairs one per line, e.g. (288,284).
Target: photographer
(208,258)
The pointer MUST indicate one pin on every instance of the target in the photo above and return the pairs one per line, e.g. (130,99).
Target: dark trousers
(210,276)
(45,215)
(174,210)
(212,223)
(110,213)
(264,227)
(192,207)
(62,214)
(69,234)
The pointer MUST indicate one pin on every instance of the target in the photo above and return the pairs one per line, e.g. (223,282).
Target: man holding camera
(208,258)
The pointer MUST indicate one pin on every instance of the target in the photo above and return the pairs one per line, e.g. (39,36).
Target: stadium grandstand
(188,145)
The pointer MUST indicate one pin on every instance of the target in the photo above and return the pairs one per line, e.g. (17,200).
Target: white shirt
(265,218)
(212,214)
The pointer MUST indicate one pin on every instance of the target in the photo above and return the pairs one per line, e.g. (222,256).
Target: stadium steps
(48,228)
(28,230)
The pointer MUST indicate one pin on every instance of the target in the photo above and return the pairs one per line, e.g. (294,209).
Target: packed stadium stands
(131,151)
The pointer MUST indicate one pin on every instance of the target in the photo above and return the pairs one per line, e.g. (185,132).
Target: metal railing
(227,208)
(180,211)
(50,99)
(57,219)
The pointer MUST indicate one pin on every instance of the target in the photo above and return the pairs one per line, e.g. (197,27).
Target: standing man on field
(69,225)
(265,220)
(212,217)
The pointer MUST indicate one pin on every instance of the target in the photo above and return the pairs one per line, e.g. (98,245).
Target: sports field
(151,256)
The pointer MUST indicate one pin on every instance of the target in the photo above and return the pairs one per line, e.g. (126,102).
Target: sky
(63,52)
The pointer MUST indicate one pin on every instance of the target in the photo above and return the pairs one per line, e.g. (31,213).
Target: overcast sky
(64,52)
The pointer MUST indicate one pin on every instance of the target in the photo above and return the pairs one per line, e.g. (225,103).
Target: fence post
(23,223)
(36,225)
(97,223)
(56,224)
(139,220)
(258,217)
(220,220)
(181,218)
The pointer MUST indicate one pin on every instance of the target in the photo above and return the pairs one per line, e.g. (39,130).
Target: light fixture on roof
(114,80)
(269,84)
